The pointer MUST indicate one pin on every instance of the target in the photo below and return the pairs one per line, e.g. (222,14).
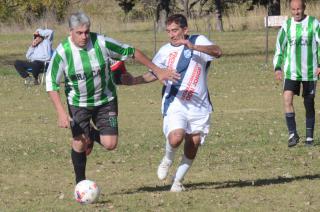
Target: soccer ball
(86,192)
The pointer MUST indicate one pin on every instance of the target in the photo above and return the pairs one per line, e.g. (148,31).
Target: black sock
(309,127)
(79,160)
(310,116)
(291,123)
(309,133)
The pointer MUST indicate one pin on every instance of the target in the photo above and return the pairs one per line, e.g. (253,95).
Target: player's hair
(178,19)
(78,19)
(302,1)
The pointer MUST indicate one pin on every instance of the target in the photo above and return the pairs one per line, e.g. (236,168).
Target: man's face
(175,33)
(80,35)
(297,10)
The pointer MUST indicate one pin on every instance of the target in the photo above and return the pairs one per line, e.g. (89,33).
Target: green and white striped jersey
(298,47)
(86,71)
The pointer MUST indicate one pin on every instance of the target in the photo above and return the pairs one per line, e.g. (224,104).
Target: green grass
(245,164)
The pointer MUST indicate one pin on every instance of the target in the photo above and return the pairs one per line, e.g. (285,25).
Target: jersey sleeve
(55,71)
(117,50)
(159,59)
(46,33)
(203,40)
(280,48)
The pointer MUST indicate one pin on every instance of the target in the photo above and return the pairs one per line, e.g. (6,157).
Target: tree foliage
(28,10)
(126,5)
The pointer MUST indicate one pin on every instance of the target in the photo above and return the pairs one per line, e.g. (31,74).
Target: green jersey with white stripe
(298,47)
(86,70)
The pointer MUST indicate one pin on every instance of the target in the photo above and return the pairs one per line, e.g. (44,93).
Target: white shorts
(192,124)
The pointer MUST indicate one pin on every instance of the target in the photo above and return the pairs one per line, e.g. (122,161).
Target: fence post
(154,36)
(267,39)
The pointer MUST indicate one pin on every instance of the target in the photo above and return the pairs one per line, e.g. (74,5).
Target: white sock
(170,151)
(183,168)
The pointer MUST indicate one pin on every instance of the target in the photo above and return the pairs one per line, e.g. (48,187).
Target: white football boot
(177,187)
(163,168)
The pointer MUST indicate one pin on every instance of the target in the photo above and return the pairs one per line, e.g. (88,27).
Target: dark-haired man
(186,105)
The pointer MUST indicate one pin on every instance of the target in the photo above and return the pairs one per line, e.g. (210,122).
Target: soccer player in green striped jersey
(82,59)
(298,48)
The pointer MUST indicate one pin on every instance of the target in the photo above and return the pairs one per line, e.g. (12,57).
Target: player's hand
(64,120)
(318,72)
(185,42)
(127,79)
(36,41)
(278,75)
(169,74)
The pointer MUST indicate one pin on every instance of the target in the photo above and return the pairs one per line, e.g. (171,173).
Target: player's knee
(109,143)
(78,144)
(288,102)
(175,139)
(175,143)
(110,146)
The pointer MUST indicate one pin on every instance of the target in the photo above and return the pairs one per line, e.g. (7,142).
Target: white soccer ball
(86,192)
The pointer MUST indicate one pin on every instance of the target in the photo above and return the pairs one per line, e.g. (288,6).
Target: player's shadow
(224,184)
(253,183)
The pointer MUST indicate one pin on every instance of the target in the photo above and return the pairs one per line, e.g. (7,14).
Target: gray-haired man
(82,59)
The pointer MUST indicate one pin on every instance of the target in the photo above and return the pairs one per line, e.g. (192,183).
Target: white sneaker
(163,168)
(177,187)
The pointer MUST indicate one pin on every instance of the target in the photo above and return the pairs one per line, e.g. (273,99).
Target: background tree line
(28,11)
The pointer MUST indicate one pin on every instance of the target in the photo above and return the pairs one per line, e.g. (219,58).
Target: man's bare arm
(128,79)
(63,118)
(212,50)
(162,74)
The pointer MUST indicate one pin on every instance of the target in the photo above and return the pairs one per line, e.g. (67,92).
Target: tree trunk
(274,8)
(218,14)
(162,12)
(202,3)
(186,11)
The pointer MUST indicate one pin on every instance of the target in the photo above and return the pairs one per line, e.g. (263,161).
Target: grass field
(245,164)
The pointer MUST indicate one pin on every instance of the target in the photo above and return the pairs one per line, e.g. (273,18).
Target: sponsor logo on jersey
(302,41)
(84,76)
(192,83)
(187,53)
(172,57)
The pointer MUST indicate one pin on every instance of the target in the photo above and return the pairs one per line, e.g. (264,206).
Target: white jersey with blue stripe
(190,93)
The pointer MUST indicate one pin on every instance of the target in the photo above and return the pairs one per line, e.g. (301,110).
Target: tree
(26,11)
(218,14)
(186,9)
(202,3)
(126,6)
(162,12)
(188,6)
(274,7)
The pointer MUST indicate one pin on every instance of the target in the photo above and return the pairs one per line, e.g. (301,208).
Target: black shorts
(309,87)
(105,117)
